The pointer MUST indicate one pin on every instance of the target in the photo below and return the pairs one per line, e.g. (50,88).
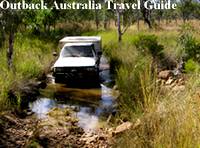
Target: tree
(9,21)
(124,19)
(186,9)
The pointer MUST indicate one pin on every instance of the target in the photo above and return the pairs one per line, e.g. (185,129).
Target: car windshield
(77,51)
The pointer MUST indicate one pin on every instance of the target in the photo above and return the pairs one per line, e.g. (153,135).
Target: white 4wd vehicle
(77,60)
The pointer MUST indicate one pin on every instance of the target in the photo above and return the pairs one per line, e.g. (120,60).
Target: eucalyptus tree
(9,22)
(124,17)
(197,10)
(186,9)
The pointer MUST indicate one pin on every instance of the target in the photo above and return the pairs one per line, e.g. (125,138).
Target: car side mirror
(55,54)
(99,53)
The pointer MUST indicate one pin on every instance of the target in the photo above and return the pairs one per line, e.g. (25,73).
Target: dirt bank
(58,129)
(15,132)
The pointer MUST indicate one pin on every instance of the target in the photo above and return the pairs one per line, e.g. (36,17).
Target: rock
(86,135)
(165,74)
(41,84)
(109,118)
(181,81)
(11,120)
(102,137)
(30,133)
(179,88)
(123,127)
(115,87)
(110,132)
(169,81)
(176,72)
(137,123)
(90,139)
(19,142)
(29,113)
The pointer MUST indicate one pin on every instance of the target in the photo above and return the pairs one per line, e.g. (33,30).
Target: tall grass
(31,58)
(135,76)
(168,117)
(172,121)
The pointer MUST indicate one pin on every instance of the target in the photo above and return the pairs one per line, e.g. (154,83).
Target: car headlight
(58,69)
(73,70)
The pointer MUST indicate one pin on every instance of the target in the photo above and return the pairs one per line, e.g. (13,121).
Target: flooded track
(91,105)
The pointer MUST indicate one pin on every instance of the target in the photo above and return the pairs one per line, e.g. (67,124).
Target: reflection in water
(87,120)
(42,106)
(87,114)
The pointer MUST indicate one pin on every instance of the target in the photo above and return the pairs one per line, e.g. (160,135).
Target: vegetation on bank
(31,59)
(168,117)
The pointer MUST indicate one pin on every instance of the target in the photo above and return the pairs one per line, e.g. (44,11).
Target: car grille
(73,69)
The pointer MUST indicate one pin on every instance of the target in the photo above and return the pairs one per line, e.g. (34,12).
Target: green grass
(167,118)
(31,58)
(172,121)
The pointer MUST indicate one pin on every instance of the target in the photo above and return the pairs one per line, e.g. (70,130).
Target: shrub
(149,43)
(191,66)
(189,44)
(191,47)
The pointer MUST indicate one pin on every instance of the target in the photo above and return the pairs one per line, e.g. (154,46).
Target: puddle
(91,105)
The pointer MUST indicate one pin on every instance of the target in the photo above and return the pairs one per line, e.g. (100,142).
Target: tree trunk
(146,15)
(2,38)
(138,21)
(119,26)
(105,24)
(10,49)
(45,27)
(176,21)
(138,24)
(54,26)
(96,18)
(105,19)
(48,27)
(146,20)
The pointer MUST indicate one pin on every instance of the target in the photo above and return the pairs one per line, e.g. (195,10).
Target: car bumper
(74,73)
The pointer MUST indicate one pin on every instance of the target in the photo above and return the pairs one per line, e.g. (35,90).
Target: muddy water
(92,106)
